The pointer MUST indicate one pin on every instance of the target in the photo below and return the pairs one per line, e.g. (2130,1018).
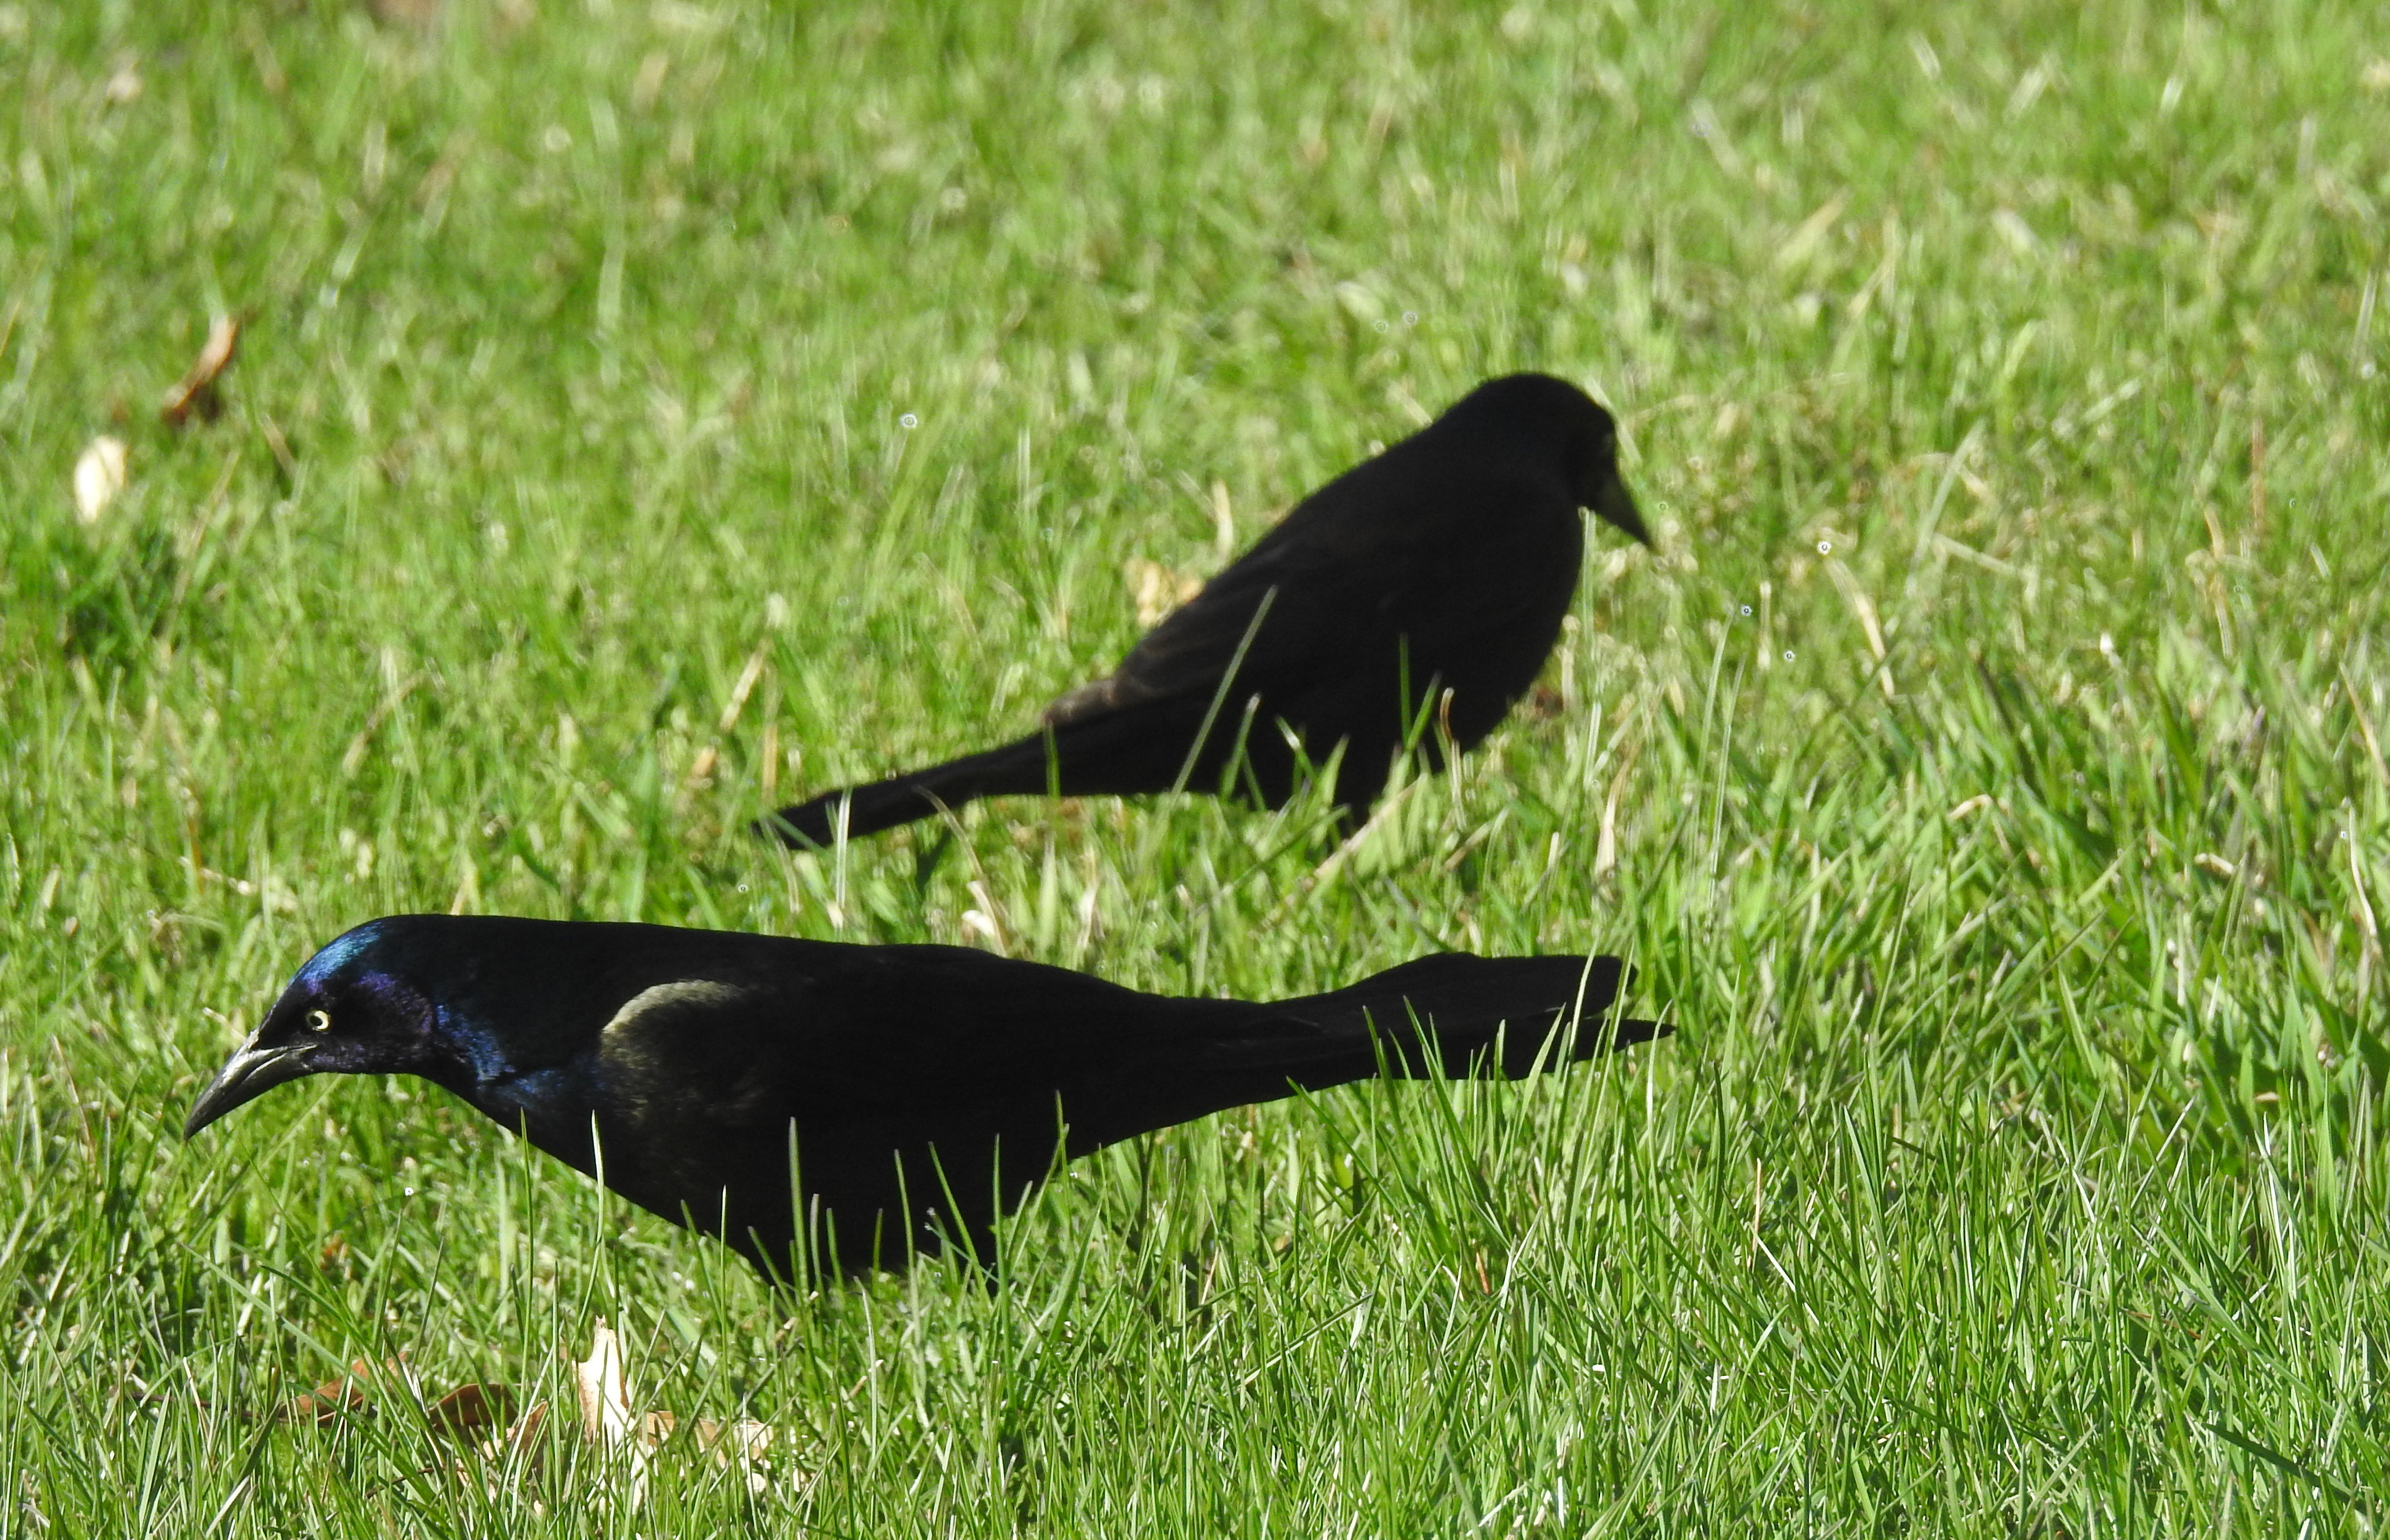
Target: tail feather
(1130,752)
(1016,768)
(1447,1012)
(1455,1010)
(1452,1012)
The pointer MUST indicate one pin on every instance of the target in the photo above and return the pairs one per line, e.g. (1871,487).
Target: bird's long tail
(1453,1014)
(1471,1014)
(1016,769)
(1116,754)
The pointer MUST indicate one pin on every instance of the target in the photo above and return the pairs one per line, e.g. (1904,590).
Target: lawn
(646,412)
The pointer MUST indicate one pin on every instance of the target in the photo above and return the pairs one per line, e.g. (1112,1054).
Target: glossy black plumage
(928,1085)
(1445,563)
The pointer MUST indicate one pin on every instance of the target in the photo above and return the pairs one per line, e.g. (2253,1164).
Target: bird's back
(1445,556)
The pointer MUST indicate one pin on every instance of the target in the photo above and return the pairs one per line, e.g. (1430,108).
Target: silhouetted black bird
(686,1068)
(1445,563)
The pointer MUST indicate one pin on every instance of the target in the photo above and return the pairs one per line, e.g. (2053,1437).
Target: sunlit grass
(1986,773)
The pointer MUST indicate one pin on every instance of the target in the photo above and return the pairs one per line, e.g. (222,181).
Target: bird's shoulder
(841,1030)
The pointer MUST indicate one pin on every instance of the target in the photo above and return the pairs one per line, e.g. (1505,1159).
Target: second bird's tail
(1124,753)
(1016,769)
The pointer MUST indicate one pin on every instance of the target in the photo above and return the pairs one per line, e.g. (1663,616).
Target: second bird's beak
(1613,506)
(248,1075)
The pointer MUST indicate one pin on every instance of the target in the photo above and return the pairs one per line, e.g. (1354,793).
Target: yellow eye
(319,1021)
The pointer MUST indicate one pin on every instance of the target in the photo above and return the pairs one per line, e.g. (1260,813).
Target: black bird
(686,1068)
(1445,563)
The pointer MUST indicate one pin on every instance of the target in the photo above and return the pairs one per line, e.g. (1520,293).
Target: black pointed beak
(1613,506)
(248,1075)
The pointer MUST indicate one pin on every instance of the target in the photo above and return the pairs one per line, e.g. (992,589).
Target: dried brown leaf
(198,391)
(1541,705)
(606,1416)
(744,1440)
(605,1400)
(333,1399)
(470,1406)
(521,1439)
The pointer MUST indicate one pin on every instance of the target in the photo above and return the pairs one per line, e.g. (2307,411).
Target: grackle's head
(347,1012)
(1593,467)
(1558,413)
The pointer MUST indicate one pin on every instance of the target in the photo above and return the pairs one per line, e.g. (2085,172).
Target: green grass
(2020,1167)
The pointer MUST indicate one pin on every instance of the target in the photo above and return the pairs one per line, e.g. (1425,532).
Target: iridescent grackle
(916,1092)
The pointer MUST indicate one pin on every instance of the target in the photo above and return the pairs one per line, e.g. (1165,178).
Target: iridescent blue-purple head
(350,1011)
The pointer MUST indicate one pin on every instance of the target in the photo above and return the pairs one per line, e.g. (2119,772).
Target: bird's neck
(552,1108)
